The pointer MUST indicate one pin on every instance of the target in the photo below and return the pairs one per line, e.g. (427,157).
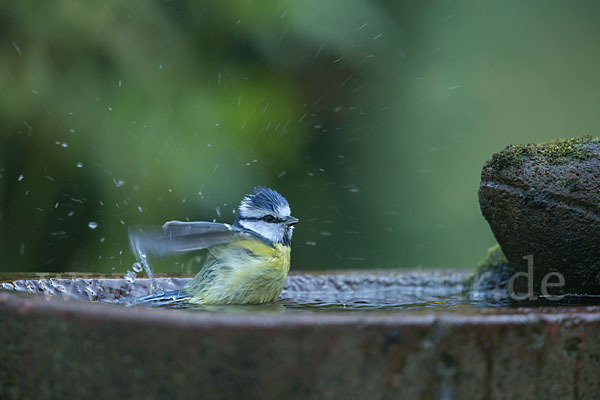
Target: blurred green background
(372,117)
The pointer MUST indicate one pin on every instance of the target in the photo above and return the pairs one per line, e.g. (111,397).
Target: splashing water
(137,246)
(130,276)
(144,262)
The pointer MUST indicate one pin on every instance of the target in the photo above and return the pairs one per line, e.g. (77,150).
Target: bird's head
(267,213)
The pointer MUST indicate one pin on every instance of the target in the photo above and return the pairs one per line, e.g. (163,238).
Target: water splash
(139,249)
(130,276)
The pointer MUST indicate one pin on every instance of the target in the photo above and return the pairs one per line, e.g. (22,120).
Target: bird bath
(388,334)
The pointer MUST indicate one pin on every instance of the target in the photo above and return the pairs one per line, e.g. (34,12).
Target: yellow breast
(246,271)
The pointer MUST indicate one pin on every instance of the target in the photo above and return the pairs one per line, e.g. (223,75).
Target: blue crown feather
(265,198)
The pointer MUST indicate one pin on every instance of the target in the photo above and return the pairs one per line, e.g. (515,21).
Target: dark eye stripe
(267,218)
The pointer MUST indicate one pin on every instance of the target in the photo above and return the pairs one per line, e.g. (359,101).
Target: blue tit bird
(247,262)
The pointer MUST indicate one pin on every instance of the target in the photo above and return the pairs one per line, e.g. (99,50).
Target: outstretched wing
(178,237)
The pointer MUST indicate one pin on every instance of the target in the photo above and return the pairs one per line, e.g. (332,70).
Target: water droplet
(20,178)
(118,183)
(79,165)
(92,225)
(109,108)
(17,48)
(137,267)
(72,130)
(130,276)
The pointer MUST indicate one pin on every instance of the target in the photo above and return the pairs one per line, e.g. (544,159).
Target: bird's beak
(291,221)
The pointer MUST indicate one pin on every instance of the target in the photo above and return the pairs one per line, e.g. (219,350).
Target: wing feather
(179,237)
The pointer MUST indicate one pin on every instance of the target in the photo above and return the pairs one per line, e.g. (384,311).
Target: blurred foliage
(372,118)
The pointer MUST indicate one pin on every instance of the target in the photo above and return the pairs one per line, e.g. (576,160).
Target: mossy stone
(543,200)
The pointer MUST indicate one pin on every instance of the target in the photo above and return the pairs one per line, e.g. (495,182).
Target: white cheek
(273,232)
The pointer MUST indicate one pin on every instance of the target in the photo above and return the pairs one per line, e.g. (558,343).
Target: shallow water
(313,292)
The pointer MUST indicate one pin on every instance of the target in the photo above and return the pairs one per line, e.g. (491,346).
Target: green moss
(494,257)
(491,273)
(554,152)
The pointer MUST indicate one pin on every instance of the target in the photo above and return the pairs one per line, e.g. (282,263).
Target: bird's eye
(269,218)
